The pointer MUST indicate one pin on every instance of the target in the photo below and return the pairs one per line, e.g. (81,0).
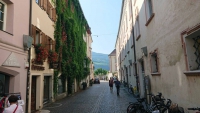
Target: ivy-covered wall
(70,27)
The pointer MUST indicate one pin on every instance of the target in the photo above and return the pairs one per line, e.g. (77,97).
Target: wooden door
(33,94)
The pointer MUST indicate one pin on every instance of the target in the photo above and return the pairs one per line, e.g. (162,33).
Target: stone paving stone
(95,99)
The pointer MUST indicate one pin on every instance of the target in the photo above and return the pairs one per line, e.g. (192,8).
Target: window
(154,62)
(129,70)
(130,9)
(137,28)
(137,24)
(192,42)
(149,11)
(37,1)
(4,84)
(2,6)
(126,22)
(37,37)
(60,86)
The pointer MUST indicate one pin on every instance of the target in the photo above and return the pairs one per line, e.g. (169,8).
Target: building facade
(125,49)
(166,41)
(43,19)
(14,27)
(112,61)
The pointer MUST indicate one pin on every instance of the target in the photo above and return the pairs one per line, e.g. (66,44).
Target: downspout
(29,56)
(134,50)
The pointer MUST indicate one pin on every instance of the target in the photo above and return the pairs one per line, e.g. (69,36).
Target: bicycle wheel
(130,108)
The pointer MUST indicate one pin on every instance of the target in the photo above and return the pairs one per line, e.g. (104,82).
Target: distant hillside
(100,60)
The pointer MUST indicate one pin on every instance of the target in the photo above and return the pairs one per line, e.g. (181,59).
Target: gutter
(29,56)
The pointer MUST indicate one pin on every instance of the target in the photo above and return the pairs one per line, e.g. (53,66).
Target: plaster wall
(163,33)
(11,41)
(41,19)
(112,60)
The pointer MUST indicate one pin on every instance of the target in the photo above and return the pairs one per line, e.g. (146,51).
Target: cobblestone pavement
(95,99)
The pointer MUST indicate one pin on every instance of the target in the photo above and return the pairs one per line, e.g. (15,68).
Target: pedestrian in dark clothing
(117,84)
(111,83)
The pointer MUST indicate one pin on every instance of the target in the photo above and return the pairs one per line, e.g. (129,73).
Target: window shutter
(48,7)
(53,45)
(33,33)
(43,39)
(54,14)
(45,5)
(47,43)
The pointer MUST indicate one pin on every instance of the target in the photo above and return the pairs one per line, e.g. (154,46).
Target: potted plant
(52,59)
(41,53)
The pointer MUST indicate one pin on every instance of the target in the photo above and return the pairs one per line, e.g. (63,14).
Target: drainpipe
(29,56)
(134,50)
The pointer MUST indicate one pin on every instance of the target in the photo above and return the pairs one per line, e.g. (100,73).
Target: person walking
(14,107)
(111,84)
(117,84)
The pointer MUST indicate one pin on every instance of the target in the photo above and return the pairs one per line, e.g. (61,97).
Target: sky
(103,18)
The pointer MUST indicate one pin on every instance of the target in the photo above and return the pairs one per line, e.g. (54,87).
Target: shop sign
(37,65)
(12,61)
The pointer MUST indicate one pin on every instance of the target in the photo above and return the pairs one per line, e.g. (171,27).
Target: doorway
(46,89)
(33,93)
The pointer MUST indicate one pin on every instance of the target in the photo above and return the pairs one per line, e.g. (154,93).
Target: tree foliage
(100,72)
(70,27)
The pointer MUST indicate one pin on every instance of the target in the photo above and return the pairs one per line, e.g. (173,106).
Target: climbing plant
(70,28)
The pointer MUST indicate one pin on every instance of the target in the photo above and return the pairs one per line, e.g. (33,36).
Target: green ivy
(72,47)
(55,90)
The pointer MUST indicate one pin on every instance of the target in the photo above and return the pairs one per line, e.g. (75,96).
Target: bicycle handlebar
(194,109)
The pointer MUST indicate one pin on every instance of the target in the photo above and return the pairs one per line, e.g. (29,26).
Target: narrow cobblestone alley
(95,99)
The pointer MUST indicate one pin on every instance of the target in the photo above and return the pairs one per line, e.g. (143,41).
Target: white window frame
(154,62)
(5,15)
(190,50)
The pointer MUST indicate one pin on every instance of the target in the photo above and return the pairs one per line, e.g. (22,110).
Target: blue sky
(103,18)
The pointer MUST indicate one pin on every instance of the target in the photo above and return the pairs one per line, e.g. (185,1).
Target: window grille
(197,50)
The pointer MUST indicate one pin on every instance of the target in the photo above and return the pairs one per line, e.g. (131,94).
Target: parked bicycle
(195,109)
(138,107)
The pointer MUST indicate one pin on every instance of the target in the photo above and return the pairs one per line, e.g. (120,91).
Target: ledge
(192,73)
(7,32)
(155,74)
(149,20)
(138,37)
(132,46)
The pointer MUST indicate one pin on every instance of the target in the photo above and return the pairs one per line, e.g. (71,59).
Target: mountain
(100,61)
